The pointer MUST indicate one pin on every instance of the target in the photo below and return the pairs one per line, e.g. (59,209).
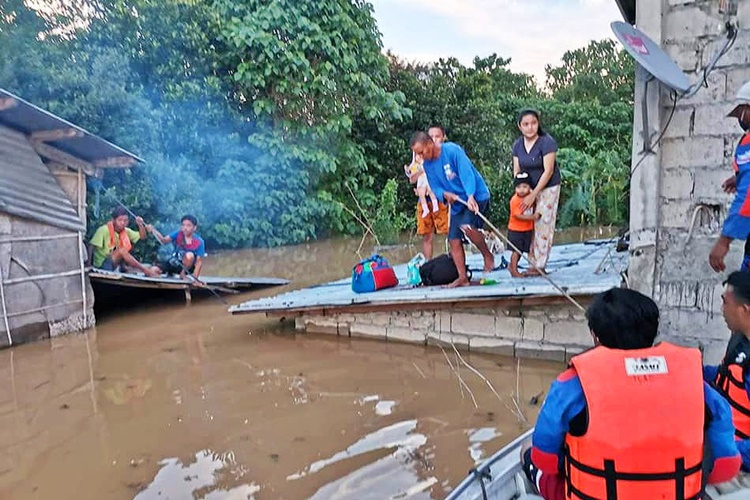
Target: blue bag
(373,273)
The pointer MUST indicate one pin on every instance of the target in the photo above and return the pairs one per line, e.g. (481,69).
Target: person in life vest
(737,223)
(112,243)
(628,420)
(731,377)
(189,248)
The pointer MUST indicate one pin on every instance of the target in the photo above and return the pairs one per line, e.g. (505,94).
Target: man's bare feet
(514,273)
(534,272)
(489,263)
(459,282)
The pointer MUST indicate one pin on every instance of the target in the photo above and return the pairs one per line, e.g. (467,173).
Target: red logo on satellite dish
(636,43)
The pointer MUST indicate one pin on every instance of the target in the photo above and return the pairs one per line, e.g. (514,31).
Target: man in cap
(737,224)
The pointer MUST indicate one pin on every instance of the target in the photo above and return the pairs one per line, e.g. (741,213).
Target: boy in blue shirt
(453,177)
(189,248)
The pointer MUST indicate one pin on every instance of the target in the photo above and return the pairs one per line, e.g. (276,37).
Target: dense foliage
(282,121)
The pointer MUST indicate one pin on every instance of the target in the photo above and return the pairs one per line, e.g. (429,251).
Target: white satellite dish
(651,57)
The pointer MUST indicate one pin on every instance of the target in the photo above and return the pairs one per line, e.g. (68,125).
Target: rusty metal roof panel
(581,268)
(28,119)
(27,187)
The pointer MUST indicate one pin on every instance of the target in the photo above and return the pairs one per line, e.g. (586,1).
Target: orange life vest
(122,242)
(644,438)
(730,383)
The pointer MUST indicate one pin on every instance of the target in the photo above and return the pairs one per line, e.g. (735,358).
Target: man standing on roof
(432,222)
(629,419)
(113,241)
(453,177)
(737,224)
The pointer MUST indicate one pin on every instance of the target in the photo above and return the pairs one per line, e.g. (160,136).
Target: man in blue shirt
(453,177)
(737,223)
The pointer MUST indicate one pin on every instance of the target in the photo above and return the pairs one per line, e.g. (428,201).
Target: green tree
(599,72)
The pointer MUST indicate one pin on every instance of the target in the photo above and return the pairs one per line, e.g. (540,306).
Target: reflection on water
(191,402)
(394,436)
(477,438)
(198,479)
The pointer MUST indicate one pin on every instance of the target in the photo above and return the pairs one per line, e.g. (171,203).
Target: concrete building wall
(41,308)
(677,205)
(547,331)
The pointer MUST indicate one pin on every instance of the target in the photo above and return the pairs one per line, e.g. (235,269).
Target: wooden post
(82,262)
(188,296)
(5,308)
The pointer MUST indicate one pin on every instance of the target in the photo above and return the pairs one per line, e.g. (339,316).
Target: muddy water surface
(175,402)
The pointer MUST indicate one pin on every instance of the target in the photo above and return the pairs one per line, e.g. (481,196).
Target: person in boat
(188,248)
(113,242)
(628,419)
(737,223)
(453,177)
(731,378)
(434,221)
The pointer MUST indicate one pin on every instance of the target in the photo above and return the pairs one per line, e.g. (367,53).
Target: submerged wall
(41,308)
(677,205)
(552,332)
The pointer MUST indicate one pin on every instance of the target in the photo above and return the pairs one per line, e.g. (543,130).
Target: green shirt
(100,242)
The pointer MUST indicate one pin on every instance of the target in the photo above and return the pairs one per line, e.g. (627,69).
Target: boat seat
(736,489)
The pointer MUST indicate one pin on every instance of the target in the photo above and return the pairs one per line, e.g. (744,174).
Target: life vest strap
(724,378)
(611,476)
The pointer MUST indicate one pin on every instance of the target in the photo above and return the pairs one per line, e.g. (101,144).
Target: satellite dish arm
(647,78)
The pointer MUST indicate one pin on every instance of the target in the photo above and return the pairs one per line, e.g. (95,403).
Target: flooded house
(44,161)
(682,152)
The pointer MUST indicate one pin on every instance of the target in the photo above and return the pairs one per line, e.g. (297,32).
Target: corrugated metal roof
(572,267)
(27,187)
(29,119)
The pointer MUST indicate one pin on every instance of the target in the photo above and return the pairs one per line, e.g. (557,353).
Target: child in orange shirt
(520,223)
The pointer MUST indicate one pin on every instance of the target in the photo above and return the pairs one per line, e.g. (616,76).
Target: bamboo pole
(511,245)
(39,238)
(5,308)
(83,279)
(43,308)
(40,277)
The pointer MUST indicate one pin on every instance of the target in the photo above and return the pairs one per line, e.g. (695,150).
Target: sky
(533,33)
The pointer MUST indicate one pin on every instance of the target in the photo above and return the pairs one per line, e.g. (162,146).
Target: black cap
(522,178)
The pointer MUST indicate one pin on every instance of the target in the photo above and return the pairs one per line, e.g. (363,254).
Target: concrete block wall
(677,205)
(542,332)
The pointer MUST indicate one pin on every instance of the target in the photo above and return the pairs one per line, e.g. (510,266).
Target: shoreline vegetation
(283,123)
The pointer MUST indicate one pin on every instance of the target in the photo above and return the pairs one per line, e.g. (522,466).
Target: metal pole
(38,238)
(80,195)
(41,277)
(83,278)
(5,308)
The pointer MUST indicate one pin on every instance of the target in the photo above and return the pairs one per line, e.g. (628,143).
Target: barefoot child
(423,187)
(520,222)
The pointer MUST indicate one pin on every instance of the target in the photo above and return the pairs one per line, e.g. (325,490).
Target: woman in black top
(535,152)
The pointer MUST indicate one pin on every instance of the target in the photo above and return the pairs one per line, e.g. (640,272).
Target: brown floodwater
(175,402)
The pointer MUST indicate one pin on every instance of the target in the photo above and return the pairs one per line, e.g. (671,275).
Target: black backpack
(440,271)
